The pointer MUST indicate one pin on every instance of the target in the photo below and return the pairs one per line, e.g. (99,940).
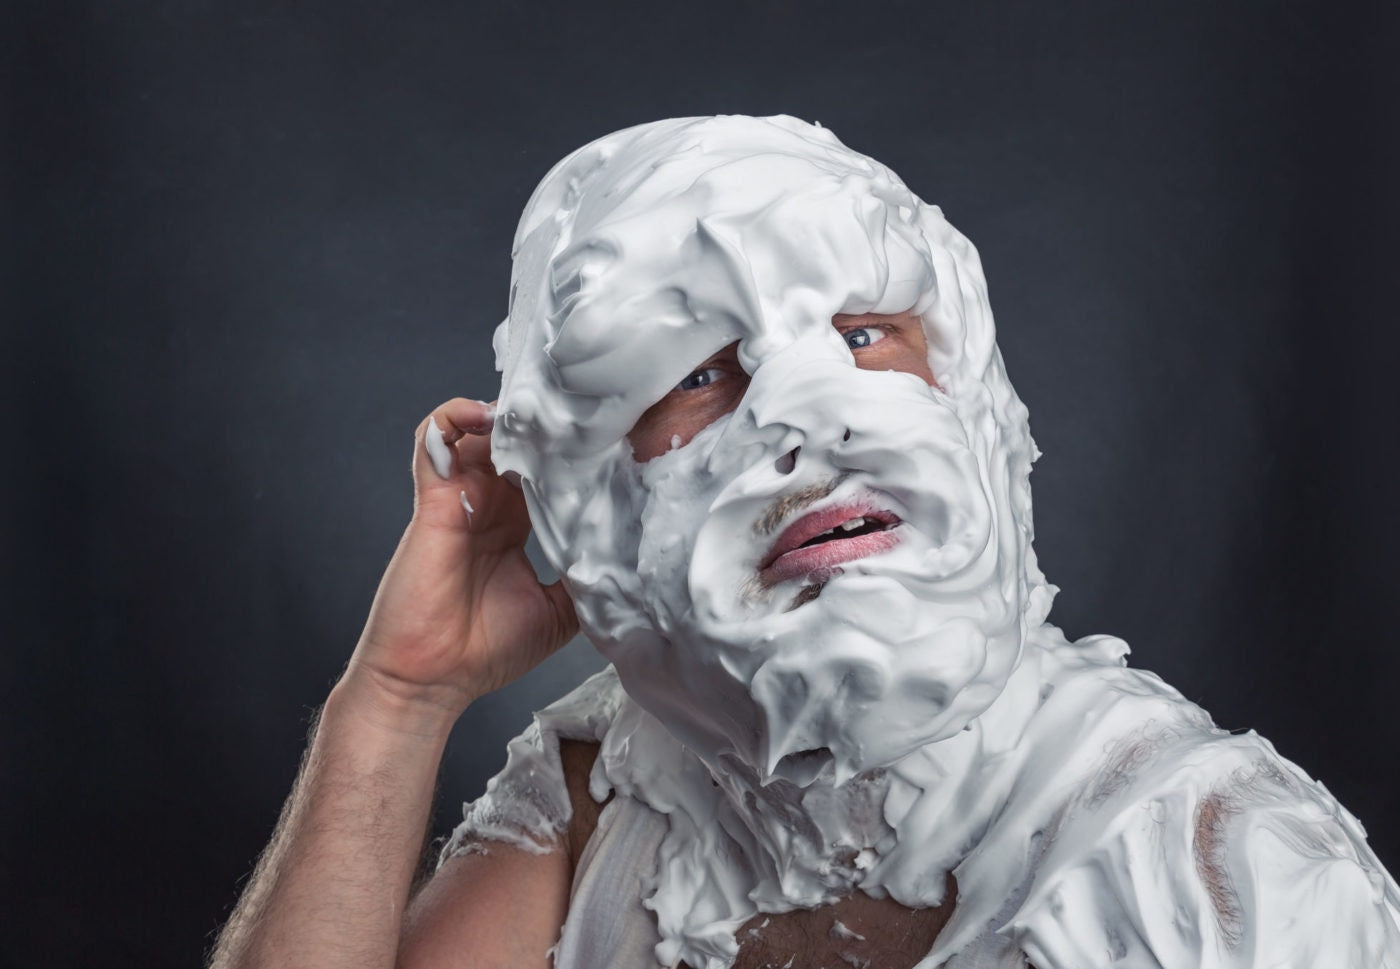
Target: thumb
(434,468)
(449,443)
(435,449)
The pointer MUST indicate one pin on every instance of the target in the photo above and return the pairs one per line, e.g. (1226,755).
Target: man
(753,407)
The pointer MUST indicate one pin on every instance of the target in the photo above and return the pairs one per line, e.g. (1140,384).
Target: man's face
(806,505)
(798,548)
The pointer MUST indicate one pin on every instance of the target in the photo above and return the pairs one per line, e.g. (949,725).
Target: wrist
(385,705)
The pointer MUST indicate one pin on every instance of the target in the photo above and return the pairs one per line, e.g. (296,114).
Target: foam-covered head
(641,255)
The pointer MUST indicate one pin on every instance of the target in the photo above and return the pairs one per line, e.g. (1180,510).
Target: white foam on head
(918,717)
(644,253)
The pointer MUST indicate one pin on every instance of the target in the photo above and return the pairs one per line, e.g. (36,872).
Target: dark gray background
(247,246)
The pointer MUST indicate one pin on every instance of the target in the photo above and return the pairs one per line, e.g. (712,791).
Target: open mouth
(817,542)
(850,528)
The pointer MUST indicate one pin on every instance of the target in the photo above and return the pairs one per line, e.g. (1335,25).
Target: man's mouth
(817,542)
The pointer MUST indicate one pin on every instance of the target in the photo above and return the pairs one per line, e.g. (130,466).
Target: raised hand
(460,611)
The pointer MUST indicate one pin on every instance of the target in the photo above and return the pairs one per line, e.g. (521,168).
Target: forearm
(330,889)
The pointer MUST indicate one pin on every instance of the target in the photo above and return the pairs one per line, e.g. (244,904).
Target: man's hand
(460,612)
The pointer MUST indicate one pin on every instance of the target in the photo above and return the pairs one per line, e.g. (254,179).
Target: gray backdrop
(247,246)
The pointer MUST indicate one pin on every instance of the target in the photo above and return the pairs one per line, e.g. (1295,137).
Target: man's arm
(334,880)
(459,613)
(503,885)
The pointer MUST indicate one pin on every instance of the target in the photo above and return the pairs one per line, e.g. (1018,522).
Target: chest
(859,931)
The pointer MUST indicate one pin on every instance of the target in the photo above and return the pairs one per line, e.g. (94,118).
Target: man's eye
(863,336)
(700,378)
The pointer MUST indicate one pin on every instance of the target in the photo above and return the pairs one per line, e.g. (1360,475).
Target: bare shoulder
(499,905)
(577,758)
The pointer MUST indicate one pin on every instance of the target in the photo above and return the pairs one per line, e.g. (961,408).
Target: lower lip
(818,558)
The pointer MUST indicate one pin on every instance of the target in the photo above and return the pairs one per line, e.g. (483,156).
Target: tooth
(852,525)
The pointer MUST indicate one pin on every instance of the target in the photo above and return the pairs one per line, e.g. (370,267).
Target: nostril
(787,462)
(847,435)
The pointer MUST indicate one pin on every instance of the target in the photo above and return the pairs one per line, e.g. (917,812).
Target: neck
(901,823)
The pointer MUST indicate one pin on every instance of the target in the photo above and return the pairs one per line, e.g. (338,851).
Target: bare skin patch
(1208,846)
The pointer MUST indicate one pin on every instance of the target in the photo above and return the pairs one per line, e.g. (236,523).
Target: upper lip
(814,523)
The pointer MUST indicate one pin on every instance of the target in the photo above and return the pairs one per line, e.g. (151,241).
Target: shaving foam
(911,713)
(642,255)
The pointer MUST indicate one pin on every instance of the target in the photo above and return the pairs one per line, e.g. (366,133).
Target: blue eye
(863,336)
(700,378)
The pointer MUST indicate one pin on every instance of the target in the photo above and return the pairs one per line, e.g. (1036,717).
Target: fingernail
(490,410)
(438,451)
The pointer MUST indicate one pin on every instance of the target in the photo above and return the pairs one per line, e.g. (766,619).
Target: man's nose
(796,400)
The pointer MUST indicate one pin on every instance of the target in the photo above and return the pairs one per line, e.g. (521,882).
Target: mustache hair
(777,512)
(753,591)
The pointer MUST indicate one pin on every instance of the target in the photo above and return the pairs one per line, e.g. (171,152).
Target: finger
(440,455)
(453,477)
(467,416)
(459,427)
(428,443)
(472,421)
(436,482)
